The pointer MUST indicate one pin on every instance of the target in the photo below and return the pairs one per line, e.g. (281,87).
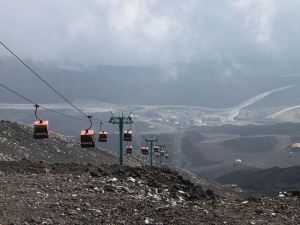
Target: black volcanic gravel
(52,181)
(41,193)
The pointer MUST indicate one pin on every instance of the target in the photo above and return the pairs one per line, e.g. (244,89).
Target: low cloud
(147,32)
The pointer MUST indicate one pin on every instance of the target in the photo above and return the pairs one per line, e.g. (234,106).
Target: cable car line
(43,80)
(87,136)
(34,103)
(35,112)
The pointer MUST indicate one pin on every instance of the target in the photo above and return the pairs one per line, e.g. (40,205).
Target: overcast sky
(139,32)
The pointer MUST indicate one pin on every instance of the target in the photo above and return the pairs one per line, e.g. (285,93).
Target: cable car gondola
(40,127)
(128,135)
(156,148)
(129,149)
(87,137)
(144,150)
(102,135)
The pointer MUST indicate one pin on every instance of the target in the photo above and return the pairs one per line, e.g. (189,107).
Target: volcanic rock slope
(41,193)
(59,185)
(16,142)
(267,181)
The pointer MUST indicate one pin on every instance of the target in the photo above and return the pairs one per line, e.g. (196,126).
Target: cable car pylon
(121,120)
(161,153)
(151,141)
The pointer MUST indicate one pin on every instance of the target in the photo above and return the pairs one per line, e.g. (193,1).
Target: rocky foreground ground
(41,193)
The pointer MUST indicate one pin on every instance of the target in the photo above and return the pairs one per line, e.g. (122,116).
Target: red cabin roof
(41,122)
(144,149)
(87,132)
(129,149)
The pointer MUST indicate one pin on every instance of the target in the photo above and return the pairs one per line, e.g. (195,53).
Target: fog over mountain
(133,32)
(199,84)
(214,54)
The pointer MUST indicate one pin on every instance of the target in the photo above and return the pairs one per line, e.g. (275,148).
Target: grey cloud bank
(132,32)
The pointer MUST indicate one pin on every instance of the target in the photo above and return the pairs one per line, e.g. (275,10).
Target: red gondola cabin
(129,149)
(102,136)
(41,129)
(144,150)
(87,138)
(128,135)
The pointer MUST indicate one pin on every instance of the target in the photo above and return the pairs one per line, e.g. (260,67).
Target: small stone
(125,189)
(113,180)
(95,210)
(163,208)
(183,194)
(94,174)
(109,188)
(87,204)
(131,179)
(98,211)
(148,220)
(72,212)
(258,210)
(281,195)
(46,222)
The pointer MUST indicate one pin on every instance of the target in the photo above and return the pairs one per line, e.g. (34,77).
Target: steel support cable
(137,129)
(43,80)
(34,103)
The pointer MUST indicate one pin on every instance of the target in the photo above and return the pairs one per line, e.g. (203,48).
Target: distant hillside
(252,144)
(189,145)
(202,83)
(213,151)
(272,129)
(267,181)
